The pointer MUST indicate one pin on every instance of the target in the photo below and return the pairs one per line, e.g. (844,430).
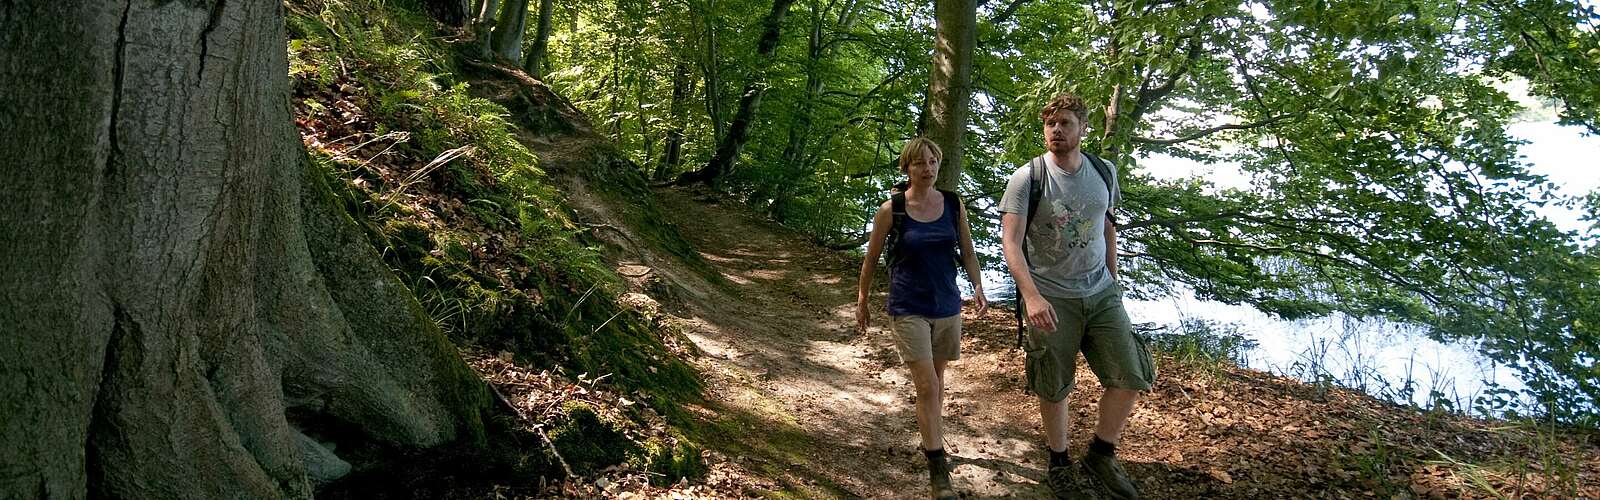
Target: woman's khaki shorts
(1098,326)
(922,339)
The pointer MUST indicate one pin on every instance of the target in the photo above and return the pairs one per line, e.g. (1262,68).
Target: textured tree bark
(183,302)
(749,104)
(950,84)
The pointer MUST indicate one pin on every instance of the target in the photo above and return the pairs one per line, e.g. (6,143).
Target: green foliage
(837,109)
(1204,342)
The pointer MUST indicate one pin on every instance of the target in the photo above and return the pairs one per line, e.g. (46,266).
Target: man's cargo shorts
(1098,326)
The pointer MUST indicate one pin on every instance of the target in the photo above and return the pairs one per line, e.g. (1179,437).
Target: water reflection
(1385,359)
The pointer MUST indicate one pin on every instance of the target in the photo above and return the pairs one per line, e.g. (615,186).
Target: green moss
(588,442)
(670,460)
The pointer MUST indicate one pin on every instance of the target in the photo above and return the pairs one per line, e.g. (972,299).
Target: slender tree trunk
(801,126)
(800,133)
(713,73)
(507,38)
(535,64)
(749,103)
(483,26)
(1114,101)
(644,123)
(615,116)
(950,84)
(673,152)
(187,311)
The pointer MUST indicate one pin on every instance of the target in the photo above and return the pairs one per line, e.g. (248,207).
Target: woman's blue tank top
(923,281)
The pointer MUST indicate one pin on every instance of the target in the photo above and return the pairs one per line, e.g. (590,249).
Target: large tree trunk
(507,38)
(535,63)
(749,103)
(183,302)
(950,84)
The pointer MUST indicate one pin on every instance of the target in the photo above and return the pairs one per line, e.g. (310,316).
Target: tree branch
(1006,13)
(1207,132)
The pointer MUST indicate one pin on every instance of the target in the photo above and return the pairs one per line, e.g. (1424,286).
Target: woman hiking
(922,227)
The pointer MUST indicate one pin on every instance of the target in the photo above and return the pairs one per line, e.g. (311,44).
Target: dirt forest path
(782,349)
(801,403)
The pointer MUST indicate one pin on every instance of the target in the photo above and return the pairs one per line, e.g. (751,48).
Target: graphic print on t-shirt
(1064,229)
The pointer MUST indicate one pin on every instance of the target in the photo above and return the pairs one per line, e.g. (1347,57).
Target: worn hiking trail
(801,403)
(781,348)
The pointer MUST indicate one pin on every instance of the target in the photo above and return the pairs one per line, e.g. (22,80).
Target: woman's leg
(927,377)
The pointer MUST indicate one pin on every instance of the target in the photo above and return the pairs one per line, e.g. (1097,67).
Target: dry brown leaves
(538,398)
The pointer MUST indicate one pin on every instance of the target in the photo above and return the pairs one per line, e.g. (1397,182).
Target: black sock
(1102,447)
(934,454)
(1060,458)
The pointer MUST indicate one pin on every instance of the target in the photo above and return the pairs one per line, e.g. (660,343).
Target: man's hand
(1040,313)
(861,317)
(983,303)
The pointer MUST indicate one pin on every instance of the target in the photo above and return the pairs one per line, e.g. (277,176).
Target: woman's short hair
(1065,101)
(914,147)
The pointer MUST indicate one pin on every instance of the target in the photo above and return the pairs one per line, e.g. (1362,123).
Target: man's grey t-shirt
(1066,242)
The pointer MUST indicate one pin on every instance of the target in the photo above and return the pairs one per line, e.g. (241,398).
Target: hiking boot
(939,476)
(1107,471)
(1059,478)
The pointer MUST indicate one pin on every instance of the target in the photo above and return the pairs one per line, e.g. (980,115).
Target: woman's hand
(861,317)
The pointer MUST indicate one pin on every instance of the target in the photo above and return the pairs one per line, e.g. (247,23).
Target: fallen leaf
(1222,476)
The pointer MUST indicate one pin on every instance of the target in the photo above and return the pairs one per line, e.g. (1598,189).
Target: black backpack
(897,205)
(1036,191)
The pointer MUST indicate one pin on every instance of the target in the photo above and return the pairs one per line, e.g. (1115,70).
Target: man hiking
(1060,243)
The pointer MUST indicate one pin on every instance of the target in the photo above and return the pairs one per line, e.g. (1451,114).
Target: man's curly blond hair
(1065,101)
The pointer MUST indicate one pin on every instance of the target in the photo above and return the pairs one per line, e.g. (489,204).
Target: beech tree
(187,313)
(950,85)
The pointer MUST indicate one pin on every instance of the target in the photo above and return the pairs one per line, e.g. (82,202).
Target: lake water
(1375,356)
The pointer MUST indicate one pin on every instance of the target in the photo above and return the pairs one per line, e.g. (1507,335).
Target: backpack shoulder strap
(1036,175)
(952,204)
(951,200)
(1104,169)
(897,224)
